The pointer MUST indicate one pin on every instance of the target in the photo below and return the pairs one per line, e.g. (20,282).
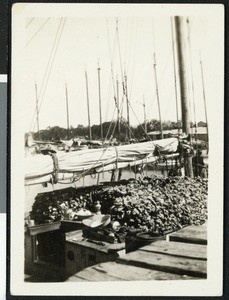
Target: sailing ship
(72,166)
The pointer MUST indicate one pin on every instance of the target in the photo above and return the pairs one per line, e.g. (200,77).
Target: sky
(128,43)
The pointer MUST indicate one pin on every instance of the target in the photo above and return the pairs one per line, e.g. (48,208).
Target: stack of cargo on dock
(108,220)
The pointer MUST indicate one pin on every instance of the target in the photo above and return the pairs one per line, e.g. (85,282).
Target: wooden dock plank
(161,260)
(177,249)
(112,271)
(192,235)
(166,263)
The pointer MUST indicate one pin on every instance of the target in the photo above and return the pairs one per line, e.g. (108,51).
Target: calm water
(32,191)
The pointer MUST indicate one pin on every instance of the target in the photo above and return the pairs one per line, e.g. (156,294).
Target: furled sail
(40,168)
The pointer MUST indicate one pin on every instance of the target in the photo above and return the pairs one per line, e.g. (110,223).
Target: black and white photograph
(117,125)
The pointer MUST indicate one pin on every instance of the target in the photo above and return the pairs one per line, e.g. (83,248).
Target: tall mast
(118,109)
(88,107)
(203,88)
(157,93)
(193,93)
(66,90)
(183,68)
(100,107)
(37,110)
(175,77)
(127,107)
(144,110)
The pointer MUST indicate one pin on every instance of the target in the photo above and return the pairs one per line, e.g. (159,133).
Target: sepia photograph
(117,119)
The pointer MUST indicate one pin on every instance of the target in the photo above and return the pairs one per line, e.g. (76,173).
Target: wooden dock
(182,256)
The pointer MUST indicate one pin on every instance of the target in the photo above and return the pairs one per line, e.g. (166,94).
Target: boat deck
(182,256)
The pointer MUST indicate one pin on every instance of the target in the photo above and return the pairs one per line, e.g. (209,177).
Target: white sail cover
(95,160)
(68,143)
(38,165)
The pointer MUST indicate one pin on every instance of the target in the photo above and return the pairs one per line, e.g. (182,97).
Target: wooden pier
(182,256)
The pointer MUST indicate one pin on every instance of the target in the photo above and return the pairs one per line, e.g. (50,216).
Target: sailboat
(75,165)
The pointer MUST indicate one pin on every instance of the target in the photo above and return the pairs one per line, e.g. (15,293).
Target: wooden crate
(81,253)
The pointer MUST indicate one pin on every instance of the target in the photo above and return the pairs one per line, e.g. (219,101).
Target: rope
(39,29)
(119,50)
(116,161)
(45,74)
(55,167)
(139,122)
(131,39)
(168,102)
(112,58)
(84,173)
(54,55)
(30,21)
(132,79)
(127,29)
(109,128)
(51,61)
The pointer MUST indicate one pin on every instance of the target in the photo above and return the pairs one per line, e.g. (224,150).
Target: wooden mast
(37,110)
(127,107)
(183,68)
(144,110)
(175,77)
(66,90)
(157,94)
(193,93)
(88,108)
(100,107)
(204,97)
(118,110)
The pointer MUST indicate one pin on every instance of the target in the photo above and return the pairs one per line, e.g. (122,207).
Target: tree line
(56,133)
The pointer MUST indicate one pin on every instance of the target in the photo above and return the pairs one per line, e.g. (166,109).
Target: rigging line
(112,72)
(189,91)
(60,132)
(30,21)
(127,30)
(47,67)
(37,32)
(51,65)
(84,173)
(54,55)
(154,39)
(110,125)
(139,122)
(163,72)
(116,122)
(50,57)
(119,50)
(109,128)
(93,166)
(174,73)
(204,98)
(168,102)
(128,128)
(111,57)
(121,110)
(161,77)
(121,107)
(130,44)
(122,74)
(132,79)
(193,91)
(112,134)
(108,97)
(132,133)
